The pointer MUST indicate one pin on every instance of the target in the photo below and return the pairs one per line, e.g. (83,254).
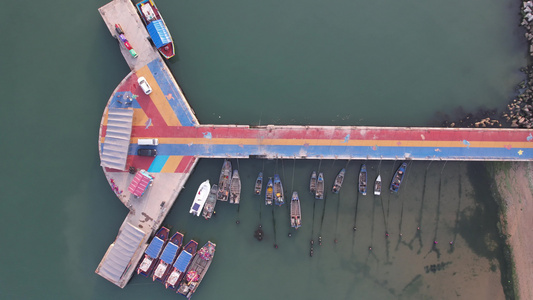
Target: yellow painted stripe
(139,117)
(370,143)
(158,98)
(172,163)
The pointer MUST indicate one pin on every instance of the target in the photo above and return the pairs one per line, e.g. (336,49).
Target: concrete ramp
(117,138)
(118,259)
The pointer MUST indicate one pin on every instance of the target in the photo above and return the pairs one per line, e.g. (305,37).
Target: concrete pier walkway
(165,114)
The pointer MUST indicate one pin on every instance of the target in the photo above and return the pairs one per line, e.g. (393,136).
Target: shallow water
(332,63)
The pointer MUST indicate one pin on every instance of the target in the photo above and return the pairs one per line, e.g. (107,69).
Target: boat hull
(224,181)
(199,265)
(319,195)
(258,184)
(377,186)
(338,182)
(296,212)
(157,28)
(398,178)
(363,180)
(209,207)
(279,198)
(269,193)
(200,198)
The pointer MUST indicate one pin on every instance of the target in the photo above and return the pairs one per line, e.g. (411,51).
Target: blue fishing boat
(156,27)
(181,264)
(153,251)
(319,195)
(362,180)
(258,184)
(338,181)
(168,256)
(269,194)
(278,191)
(398,177)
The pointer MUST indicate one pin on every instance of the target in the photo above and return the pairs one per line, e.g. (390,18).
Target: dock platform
(166,115)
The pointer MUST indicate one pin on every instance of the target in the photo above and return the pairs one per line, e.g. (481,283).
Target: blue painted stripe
(121,100)
(178,104)
(158,163)
(353,151)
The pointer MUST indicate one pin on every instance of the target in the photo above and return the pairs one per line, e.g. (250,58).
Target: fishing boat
(156,27)
(320,187)
(269,194)
(312,183)
(235,188)
(338,181)
(362,180)
(377,186)
(278,191)
(210,203)
(398,177)
(200,198)
(181,264)
(296,212)
(167,257)
(197,270)
(259,184)
(153,251)
(224,181)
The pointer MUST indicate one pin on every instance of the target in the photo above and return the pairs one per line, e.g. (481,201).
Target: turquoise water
(332,63)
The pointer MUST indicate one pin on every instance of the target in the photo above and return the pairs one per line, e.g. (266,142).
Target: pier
(166,115)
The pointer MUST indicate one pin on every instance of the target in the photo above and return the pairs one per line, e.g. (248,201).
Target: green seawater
(337,62)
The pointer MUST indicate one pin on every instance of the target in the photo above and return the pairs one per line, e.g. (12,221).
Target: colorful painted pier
(166,115)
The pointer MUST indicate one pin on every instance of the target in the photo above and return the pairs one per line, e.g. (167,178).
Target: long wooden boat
(312,183)
(320,187)
(224,181)
(258,184)
(398,177)
(362,180)
(156,27)
(197,270)
(153,251)
(200,198)
(278,191)
(235,188)
(181,264)
(210,203)
(269,194)
(296,211)
(377,186)
(338,181)
(167,257)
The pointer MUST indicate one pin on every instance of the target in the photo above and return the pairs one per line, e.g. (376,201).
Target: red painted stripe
(331,133)
(140,162)
(185,164)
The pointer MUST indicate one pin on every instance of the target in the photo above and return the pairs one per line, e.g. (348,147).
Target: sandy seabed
(515,187)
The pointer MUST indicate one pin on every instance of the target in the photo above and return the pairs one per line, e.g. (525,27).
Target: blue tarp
(183,261)
(154,248)
(169,253)
(159,33)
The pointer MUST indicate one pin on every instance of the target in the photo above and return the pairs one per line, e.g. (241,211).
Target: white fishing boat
(377,186)
(200,198)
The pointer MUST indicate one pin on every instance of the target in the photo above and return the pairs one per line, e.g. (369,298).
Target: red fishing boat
(156,28)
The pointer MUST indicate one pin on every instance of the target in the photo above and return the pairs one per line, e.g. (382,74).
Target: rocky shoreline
(519,112)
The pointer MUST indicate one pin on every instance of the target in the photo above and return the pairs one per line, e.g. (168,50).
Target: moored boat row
(179,269)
